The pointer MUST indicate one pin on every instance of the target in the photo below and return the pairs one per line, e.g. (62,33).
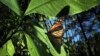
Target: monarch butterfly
(56,31)
(55,34)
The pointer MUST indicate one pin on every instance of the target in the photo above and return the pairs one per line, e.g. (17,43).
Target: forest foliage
(22,30)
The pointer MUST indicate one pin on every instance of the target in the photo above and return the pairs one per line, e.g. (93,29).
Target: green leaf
(7,49)
(53,7)
(13,5)
(77,6)
(41,34)
(63,53)
(10,48)
(31,46)
(3,51)
(46,7)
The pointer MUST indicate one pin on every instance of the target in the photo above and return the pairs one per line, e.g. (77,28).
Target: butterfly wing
(57,29)
(58,33)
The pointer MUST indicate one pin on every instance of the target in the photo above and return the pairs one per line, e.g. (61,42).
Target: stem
(86,40)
